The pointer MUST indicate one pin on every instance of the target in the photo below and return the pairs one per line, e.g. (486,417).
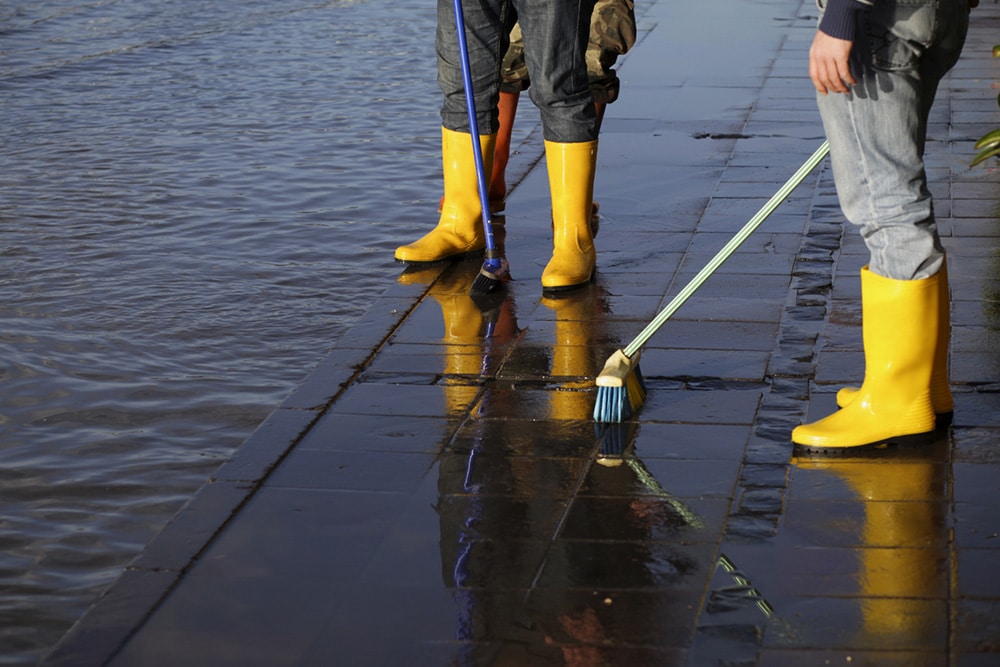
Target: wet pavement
(436,492)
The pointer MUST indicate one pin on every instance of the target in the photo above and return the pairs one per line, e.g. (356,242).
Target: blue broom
(620,388)
(495,271)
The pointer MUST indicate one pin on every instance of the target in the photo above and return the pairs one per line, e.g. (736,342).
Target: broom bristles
(494,275)
(620,388)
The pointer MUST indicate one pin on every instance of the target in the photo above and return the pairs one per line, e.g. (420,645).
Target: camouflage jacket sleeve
(841,17)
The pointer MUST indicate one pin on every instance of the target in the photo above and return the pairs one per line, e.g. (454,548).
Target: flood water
(197,198)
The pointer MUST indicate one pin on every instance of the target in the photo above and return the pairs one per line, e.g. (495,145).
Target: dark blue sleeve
(840,18)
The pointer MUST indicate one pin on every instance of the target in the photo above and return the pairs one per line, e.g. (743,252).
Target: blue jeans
(877,131)
(555,43)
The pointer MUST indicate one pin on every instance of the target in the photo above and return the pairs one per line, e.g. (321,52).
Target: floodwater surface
(197,199)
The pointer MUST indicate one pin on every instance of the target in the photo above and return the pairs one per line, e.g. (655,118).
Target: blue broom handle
(470,106)
(727,250)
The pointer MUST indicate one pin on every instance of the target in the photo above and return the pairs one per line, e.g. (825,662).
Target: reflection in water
(554,547)
(739,593)
(901,554)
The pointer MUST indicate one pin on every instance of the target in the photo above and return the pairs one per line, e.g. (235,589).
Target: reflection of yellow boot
(460,228)
(571,362)
(941,398)
(571,184)
(463,349)
(902,570)
(463,343)
(899,324)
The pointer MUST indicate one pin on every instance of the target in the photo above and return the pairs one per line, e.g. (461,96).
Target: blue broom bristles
(621,390)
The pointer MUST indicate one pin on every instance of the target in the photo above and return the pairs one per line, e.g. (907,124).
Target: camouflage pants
(612,33)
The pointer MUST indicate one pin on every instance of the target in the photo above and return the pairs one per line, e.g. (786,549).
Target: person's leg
(459,229)
(877,134)
(555,41)
(487,31)
(514,79)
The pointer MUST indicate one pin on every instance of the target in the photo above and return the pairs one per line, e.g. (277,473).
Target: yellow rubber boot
(459,230)
(941,398)
(899,332)
(571,170)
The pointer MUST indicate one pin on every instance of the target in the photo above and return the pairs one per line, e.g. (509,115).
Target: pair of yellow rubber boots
(459,230)
(906,392)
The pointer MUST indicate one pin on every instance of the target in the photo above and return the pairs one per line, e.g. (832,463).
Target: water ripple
(199,198)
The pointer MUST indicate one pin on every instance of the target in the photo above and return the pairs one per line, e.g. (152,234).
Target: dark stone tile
(642,515)
(978,409)
(705,407)
(193,527)
(691,441)
(694,478)
(370,433)
(776,657)
(689,334)
(486,471)
(977,573)
(615,565)
(697,363)
(858,623)
(977,626)
(96,637)
(387,472)
(405,400)
(263,571)
(613,619)
(328,379)
(258,455)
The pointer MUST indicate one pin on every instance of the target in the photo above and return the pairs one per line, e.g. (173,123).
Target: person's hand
(828,64)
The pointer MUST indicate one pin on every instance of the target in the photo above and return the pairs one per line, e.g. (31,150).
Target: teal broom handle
(727,250)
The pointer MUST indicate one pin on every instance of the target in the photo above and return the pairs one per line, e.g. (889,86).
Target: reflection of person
(555,41)
(876,67)
(903,543)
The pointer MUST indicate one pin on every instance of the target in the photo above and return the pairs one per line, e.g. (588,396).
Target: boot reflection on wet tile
(555,555)
(474,332)
(572,363)
(903,558)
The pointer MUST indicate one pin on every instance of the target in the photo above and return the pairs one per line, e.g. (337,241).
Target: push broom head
(492,277)
(620,389)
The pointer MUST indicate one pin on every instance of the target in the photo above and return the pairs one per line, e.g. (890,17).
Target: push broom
(620,388)
(495,271)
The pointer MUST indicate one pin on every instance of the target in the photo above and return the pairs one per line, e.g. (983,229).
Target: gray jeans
(877,131)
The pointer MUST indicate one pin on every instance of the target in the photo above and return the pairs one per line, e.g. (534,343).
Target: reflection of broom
(620,389)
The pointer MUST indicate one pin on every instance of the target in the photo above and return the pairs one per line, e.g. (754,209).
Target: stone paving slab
(436,491)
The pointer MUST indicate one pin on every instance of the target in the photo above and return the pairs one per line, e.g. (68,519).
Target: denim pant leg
(487,34)
(877,131)
(555,44)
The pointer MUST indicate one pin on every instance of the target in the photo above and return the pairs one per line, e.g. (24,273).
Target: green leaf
(985,155)
(989,139)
